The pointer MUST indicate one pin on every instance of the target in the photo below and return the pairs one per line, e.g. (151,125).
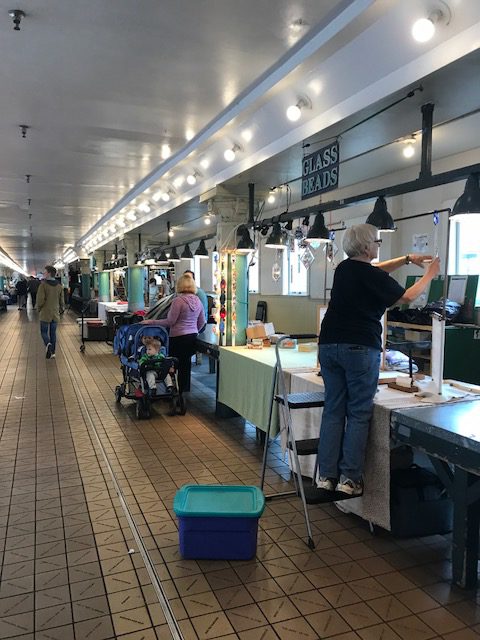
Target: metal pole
(426,160)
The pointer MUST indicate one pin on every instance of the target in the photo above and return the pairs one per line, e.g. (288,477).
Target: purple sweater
(185,315)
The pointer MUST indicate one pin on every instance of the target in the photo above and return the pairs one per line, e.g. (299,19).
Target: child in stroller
(154,364)
(130,344)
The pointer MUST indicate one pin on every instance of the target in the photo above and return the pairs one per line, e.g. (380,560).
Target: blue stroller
(129,347)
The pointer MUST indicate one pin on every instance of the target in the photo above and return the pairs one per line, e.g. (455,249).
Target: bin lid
(227,501)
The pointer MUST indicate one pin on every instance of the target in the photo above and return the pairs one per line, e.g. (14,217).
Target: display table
(245,380)
(374,505)
(104,307)
(449,434)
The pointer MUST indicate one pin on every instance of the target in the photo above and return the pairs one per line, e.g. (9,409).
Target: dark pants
(49,333)
(183,348)
(33,295)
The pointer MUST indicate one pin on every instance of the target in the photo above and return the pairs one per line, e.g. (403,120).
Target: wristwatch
(407,259)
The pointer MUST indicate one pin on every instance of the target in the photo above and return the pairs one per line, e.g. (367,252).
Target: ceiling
(103,86)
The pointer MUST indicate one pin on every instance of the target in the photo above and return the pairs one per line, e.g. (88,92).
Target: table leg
(466,521)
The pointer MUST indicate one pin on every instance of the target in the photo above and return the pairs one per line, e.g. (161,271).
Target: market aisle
(67,571)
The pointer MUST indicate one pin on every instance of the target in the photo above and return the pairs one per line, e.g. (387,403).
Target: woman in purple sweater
(185,319)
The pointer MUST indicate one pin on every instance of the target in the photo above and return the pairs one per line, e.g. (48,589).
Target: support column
(135,280)
(2,282)
(231,212)
(85,277)
(104,286)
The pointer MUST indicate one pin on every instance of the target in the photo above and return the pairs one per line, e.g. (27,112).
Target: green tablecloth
(246,376)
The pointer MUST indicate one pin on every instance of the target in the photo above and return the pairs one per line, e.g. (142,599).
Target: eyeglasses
(379,241)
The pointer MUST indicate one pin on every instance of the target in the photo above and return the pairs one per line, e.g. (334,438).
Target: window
(253,272)
(464,250)
(197,269)
(295,280)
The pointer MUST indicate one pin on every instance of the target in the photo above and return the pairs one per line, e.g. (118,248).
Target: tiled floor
(68,570)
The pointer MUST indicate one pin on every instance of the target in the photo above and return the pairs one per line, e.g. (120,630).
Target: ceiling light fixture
(380,216)
(16,15)
(423,29)
(409,149)
(131,215)
(186,253)
(205,163)
(201,251)
(245,244)
(144,207)
(230,154)
(166,151)
(271,196)
(247,135)
(469,202)
(192,178)
(179,180)
(318,232)
(174,257)
(294,111)
(277,239)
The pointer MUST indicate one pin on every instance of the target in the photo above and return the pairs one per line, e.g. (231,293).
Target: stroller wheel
(182,405)
(118,393)
(173,405)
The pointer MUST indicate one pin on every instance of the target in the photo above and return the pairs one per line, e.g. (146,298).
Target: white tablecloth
(374,505)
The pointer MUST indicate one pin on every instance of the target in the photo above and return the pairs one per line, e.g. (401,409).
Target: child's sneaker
(347,485)
(327,484)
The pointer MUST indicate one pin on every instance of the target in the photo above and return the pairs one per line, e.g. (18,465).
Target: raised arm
(395,263)
(419,287)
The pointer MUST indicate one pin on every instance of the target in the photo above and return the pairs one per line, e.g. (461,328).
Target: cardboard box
(260,330)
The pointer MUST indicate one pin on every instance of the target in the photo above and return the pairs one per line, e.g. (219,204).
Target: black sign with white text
(320,171)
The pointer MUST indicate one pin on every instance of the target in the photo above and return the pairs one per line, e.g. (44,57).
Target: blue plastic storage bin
(218,522)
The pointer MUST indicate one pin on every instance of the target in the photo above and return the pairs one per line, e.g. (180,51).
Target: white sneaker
(347,485)
(328,484)
(52,355)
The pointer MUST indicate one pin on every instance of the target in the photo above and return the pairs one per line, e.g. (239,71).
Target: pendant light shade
(162,257)
(277,239)
(318,232)
(469,202)
(201,251)
(380,216)
(245,244)
(174,257)
(186,253)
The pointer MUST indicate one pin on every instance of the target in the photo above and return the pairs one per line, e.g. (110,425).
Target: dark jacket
(21,287)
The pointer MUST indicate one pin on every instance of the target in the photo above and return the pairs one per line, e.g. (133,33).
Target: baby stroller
(129,347)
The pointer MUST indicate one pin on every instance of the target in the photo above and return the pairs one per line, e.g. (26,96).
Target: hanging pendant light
(162,257)
(186,253)
(469,202)
(380,217)
(245,244)
(318,231)
(277,239)
(201,251)
(174,257)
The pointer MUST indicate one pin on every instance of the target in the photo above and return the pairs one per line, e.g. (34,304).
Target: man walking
(33,284)
(50,305)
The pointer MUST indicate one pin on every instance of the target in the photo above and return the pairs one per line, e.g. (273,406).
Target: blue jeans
(350,373)
(49,333)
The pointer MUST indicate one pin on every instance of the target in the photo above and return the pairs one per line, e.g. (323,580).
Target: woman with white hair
(350,344)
